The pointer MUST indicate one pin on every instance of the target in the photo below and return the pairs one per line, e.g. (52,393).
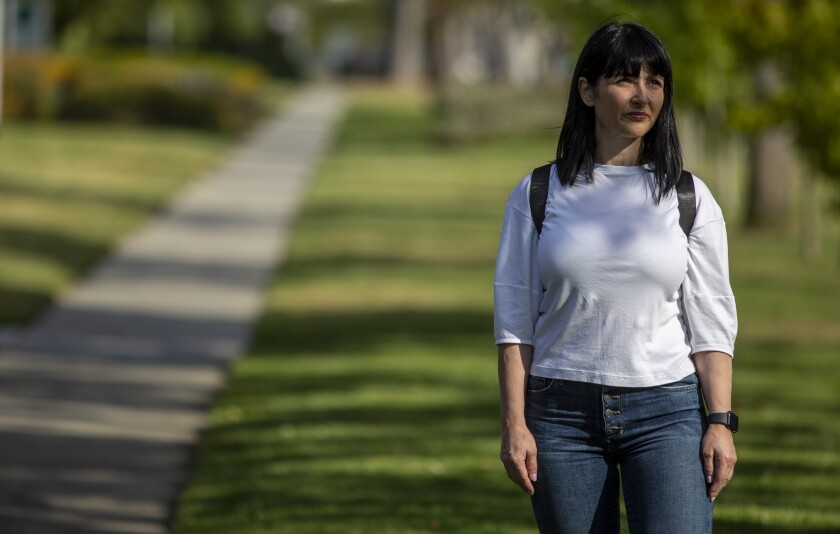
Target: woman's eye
(656,81)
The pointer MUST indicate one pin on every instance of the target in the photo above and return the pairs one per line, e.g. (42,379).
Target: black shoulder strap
(686,201)
(539,194)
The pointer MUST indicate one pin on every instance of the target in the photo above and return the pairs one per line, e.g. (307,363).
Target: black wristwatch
(727,419)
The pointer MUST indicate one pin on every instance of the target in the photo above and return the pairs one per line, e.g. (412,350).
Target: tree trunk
(440,17)
(811,214)
(408,62)
(2,52)
(160,28)
(768,201)
(770,151)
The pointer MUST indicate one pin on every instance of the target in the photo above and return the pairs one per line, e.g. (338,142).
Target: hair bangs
(630,51)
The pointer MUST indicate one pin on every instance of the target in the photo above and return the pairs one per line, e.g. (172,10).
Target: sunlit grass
(368,401)
(68,193)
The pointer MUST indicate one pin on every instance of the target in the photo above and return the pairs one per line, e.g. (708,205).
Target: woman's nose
(640,95)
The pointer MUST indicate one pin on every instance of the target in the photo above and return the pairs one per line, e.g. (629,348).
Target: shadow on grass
(316,268)
(324,428)
(73,255)
(20,305)
(363,439)
(458,213)
(55,247)
(294,335)
(128,202)
(374,469)
(362,503)
(726,526)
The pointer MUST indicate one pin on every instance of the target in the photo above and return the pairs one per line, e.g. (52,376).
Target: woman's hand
(719,458)
(718,448)
(519,450)
(519,454)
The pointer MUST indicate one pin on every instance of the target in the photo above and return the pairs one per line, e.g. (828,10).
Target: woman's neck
(621,154)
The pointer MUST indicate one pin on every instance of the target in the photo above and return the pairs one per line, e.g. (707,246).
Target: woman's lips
(638,116)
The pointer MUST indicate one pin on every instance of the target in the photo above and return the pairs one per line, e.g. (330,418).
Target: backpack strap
(539,194)
(686,201)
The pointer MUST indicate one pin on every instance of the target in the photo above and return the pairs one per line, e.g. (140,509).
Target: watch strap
(724,418)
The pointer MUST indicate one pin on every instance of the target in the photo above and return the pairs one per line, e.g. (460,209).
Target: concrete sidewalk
(102,402)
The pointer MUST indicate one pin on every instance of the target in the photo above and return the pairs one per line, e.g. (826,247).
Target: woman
(609,317)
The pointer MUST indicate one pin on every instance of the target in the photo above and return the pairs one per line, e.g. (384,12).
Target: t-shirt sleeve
(517,287)
(708,304)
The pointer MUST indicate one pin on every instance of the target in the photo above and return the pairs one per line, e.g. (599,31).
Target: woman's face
(626,107)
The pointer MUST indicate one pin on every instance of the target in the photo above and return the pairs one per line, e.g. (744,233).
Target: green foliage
(368,17)
(813,83)
(369,403)
(94,24)
(230,27)
(203,94)
(68,193)
(718,48)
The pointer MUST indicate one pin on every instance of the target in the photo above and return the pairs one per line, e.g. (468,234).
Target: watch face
(733,422)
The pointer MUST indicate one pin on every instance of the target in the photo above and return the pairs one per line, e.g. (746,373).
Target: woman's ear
(587,92)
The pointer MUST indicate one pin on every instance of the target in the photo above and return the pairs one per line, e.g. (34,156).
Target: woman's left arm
(718,448)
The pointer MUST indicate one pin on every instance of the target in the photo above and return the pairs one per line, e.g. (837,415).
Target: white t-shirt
(612,292)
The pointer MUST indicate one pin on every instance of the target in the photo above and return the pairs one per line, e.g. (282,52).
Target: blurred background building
(28,24)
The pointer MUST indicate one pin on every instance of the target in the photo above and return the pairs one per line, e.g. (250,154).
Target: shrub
(193,93)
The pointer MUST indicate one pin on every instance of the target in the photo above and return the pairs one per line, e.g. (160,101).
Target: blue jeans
(592,438)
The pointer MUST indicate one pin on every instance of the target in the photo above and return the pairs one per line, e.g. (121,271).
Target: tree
(408,60)
(758,68)
(499,41)
(234,27)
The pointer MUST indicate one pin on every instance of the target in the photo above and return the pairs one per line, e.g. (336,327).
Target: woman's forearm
(514,364)
(715,372)
(519,450)
(718,448)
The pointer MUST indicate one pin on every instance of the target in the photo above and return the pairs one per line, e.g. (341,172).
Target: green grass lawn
(69,192)
(368,401)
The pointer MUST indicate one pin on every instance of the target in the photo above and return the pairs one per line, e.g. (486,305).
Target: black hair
(620,48)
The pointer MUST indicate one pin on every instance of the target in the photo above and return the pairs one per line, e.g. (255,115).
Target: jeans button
(608,412)
(606,397)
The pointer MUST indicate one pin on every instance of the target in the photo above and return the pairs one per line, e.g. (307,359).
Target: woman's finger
(709,465)
(517,472)
(523,478)
(724,467)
